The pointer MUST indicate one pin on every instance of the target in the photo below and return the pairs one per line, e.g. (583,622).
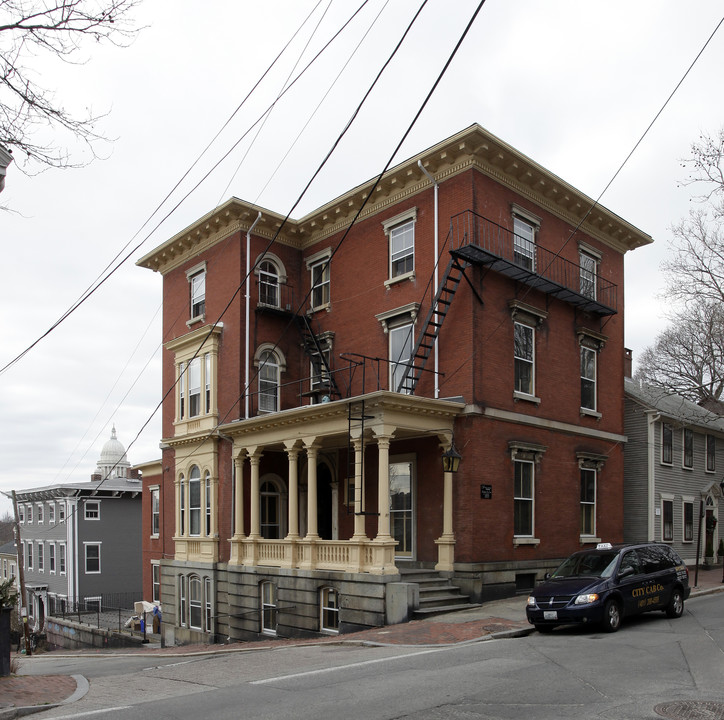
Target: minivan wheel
(611,616)
(675,608)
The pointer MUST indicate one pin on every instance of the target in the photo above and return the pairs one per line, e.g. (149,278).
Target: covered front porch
(338,507)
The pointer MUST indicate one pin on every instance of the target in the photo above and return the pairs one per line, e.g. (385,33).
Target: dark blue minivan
(604,585)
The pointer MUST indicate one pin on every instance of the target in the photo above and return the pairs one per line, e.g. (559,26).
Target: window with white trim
(268,284)
(268,604)
(51,513)
(197,290)
(207,503)
(182,593)
(524,243)
(61,512)
(21,514)
(523,498)
(155,581)
(269,381)
(195,617)
(194,372)
(688,515)
(319,266)
(92,558)
(688,448)
(588,378)
(710,453)
(40,513)
(667,444)
(588,264)
(401,344)
(524,358)
(329,610)
(92,510)
(208,607)
(195,501)
(29,562)
(155,511)
(588,501)
(29,514)
(667,519)
(51,557)
(402,249)
(41,557)
(61,558)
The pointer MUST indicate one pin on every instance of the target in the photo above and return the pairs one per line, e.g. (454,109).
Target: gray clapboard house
(673,469)
(81,541)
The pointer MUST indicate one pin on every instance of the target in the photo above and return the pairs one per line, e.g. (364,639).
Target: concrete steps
(437,593)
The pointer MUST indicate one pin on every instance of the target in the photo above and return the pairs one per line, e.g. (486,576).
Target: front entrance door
(402,515)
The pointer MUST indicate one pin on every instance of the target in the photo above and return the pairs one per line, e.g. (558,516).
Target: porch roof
(331,424)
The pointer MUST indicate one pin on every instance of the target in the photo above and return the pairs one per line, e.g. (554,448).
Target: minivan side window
(654,559)
(630,560)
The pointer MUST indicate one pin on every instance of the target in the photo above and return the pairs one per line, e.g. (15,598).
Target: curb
(81,688)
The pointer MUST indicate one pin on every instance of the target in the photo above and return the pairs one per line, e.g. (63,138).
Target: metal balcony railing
(481,241)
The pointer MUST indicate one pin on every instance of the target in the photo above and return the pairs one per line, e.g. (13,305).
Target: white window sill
(319,308)
(589,540)
(525,541)
(517,395)
(590,413)
(400,278)
(194,320)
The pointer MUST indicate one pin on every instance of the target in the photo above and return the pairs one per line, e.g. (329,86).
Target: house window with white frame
(588,378)
(194,379)
(51,557)
(40,513)
(588,264)
(195,501)
(523,498)
(710,453)
(688,514)
(402,249)
(195,601)
(29,515)
(155,512)
(61,513)
(182,504)
(269,381)
(21,514)
(155,582)
(208,607)
(320,283)
(524,243)
(92,510)
(182,592)
(667,520)
(51,513)
(401,344)
(268,604)
(667,444)
(588,501)
(29,563)
(329,610)
(688,448)
(61,558)
(268,284)
(197,290)
(207,496)
(524,356)
(92,558)
(41,557)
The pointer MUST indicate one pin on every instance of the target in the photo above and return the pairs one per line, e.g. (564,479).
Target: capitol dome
(113,461)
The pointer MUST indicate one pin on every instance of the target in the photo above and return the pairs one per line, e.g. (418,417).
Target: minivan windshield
(587,564)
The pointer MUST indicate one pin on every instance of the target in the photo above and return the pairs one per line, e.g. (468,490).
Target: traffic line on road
(364,663)
(87,713)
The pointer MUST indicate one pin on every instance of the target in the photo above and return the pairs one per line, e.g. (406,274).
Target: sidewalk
(23,694)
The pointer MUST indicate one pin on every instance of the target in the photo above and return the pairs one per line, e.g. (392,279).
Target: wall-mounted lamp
(451,459)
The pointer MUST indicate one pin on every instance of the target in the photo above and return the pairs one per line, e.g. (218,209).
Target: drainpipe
(248,304)
(437,269)
(652,417)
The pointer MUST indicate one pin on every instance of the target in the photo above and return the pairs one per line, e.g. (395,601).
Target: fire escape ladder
(430,328)
(314,350)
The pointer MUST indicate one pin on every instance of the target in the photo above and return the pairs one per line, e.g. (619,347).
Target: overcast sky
(573,85)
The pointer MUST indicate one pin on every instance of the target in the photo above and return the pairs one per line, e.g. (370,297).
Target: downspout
(652,417)
(437,269)
(248,305)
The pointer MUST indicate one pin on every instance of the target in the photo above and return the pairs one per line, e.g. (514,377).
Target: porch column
(359,518)
(312,526)
(255,456)
(446,542)
(383,487)
(293,454)
(239,496)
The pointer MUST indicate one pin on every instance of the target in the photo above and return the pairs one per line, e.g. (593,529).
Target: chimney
(627,363)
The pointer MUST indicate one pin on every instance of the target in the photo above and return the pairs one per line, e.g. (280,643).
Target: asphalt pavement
(24,694)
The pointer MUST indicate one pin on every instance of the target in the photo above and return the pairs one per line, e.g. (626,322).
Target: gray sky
(573,85)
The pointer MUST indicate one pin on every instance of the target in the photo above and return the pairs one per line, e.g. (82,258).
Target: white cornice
(473,147)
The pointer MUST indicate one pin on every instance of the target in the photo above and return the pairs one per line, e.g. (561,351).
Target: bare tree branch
(31,29)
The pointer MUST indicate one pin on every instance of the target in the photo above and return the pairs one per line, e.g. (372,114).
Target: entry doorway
(402,506)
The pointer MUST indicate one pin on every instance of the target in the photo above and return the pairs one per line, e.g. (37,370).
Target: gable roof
(674,407)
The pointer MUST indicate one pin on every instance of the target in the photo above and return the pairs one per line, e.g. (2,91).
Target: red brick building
(474,305)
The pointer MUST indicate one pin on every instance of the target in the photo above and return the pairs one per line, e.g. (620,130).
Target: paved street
(565,674)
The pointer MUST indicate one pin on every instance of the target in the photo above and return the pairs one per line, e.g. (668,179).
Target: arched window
(195,501)
(268,284)
(207,492)
(268,604)
(268,382)
(195,602)
(270,507)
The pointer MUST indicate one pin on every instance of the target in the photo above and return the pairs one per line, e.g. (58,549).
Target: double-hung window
(268,598)
(523,498)
(30,556)
(524,354)
(402,249)
(523,243)
(268,284)
(40,513)
(710,453)
(156,581)
(588,266)
(61,558)
(401,342)
(667,520)
(588,378)
(195,602)
(269,380)
(194,372)
(155,512)
(588,501)
(197,288)
(667,444)
(688,443)
(688,511)
(320,284)
(51,557)
(92,510)
(329,618)
(51,513)
(195,501)
(41,557)
(92,558)
(207,503)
